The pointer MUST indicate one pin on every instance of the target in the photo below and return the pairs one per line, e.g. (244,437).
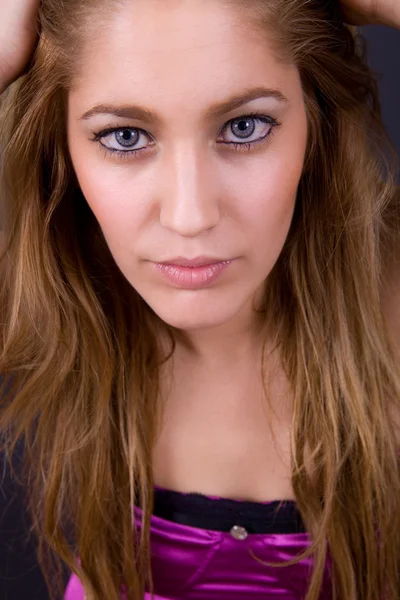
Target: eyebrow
(217,110)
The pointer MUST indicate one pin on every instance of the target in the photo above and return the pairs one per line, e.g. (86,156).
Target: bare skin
(18,35)
(18,29)
(367,12)
(218,436)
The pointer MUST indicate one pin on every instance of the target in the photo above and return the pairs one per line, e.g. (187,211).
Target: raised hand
(18,35)
(365,12)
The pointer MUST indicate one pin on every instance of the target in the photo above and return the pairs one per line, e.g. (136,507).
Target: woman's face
(188,139)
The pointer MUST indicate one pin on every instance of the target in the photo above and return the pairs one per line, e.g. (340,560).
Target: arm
(372,12)
(18,35)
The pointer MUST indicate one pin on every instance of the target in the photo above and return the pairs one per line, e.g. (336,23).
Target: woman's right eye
(122,140)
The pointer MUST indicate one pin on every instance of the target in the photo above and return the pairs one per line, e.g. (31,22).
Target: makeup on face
(188,140)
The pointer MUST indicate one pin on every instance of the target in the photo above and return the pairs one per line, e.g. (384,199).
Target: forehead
(161,51)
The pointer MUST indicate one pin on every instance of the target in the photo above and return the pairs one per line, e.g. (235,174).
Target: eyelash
(238,146)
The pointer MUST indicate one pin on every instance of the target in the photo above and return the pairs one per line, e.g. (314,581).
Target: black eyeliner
(239,146)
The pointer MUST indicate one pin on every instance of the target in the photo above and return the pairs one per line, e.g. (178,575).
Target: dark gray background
(383,44)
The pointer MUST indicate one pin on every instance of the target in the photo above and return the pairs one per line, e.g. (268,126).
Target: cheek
(266,198)
(257,194)
(108,192)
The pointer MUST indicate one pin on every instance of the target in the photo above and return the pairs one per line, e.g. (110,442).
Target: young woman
(198,341)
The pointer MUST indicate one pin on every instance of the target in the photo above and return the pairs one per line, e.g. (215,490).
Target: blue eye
(127,137)
(125,142)
(119,138)
(243,128)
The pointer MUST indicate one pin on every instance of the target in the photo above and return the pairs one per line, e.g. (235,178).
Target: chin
(191,320)
(187,311)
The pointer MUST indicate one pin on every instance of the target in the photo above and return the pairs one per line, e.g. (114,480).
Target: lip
(199,261)
(192,278)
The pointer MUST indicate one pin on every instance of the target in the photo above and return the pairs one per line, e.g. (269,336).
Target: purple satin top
(199,563)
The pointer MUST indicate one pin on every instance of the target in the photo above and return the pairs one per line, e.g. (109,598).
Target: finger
(21,14)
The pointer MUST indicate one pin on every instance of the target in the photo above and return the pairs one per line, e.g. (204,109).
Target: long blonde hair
(80,354)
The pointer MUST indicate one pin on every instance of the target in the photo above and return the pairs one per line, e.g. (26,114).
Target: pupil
(127,135)
(243,125)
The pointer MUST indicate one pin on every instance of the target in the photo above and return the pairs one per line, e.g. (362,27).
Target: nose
(189,202)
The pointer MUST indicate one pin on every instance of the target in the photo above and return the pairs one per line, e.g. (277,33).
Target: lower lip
(192,278)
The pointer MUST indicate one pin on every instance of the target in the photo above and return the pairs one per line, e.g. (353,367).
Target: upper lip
(199,261)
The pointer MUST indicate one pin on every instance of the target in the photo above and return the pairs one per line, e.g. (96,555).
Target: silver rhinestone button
(239,533)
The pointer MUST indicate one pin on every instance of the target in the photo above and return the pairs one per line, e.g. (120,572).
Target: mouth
(193,277)
(200,261)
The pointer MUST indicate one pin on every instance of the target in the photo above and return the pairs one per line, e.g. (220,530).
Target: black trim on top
(221,514)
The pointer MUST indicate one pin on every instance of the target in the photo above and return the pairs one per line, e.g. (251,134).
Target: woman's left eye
(249,129)
(242,133)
